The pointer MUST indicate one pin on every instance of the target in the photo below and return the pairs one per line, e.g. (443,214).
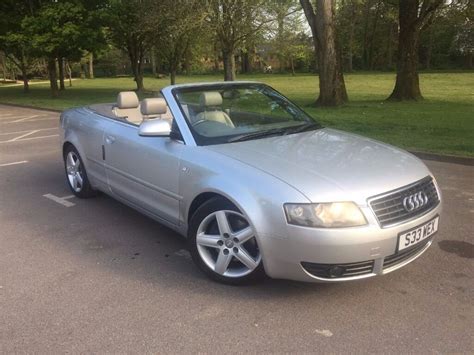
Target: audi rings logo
(415,201)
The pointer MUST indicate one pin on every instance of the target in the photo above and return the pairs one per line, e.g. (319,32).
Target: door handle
(109,139)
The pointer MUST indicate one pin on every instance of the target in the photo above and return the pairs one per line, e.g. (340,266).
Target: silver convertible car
(254,183)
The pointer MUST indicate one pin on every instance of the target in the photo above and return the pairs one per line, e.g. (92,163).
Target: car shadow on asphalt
(156,253)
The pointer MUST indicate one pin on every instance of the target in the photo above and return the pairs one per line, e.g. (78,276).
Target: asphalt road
(96,276)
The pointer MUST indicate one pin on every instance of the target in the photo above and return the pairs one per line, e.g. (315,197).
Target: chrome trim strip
(339,279)
(400,189)
(407,261)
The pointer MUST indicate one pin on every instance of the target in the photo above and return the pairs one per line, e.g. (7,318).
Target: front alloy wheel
(76,173)
(223,243)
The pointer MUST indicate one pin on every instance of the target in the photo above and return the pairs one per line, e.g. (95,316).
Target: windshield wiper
(261,134)
(304,127)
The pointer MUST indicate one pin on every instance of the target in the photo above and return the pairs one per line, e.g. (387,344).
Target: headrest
(127,99)
(154,106)
(210,98)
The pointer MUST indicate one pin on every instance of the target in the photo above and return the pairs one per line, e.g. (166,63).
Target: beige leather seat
(211,102)
(128,107)
(155,108)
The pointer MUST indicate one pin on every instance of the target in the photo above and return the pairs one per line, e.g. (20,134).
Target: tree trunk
(372,37)
(389,64)
(173,76)
(229,65)
(280,29)
(244,65)
(69,73)
(332,89)
(136,65)
(292,65)
(216,58)
(429,50)
(61,73)
(53,83)
(469,60)
(365,52)
(407,85)
(91,65)
(350,43)
(4,68)
(24,74)
(153,61)
(139,79)
(26,86)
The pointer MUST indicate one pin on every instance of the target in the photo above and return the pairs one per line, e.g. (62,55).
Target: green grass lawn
(442,123)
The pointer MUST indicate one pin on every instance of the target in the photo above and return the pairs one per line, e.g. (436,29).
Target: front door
(143,170)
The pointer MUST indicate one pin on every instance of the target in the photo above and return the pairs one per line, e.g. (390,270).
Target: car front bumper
(369,250)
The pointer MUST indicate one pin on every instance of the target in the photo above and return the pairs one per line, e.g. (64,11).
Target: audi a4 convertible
(255,184)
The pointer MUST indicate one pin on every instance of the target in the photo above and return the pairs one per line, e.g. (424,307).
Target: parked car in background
(254,183)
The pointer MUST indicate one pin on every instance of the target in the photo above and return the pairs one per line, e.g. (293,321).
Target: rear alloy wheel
(76,174)
(223,243)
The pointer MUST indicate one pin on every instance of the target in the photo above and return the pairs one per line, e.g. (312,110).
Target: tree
(128,30)
(332,89)
(60,30)
(233,22)
(177,25)
(464,26)
(414,16)
(288,26)
(347,18)
(15,42)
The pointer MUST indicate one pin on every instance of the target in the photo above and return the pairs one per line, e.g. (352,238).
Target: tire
(76,175)
(223,244)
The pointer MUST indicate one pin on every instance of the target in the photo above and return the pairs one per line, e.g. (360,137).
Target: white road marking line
(325,332)
(24,118)
(61,200)
(17,132)
(29,139)
(15,163)
(23,135)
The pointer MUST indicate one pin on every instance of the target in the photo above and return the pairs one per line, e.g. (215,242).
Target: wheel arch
(71,139)
(202,198)
(67,144)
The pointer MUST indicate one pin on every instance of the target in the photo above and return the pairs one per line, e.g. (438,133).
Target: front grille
(334,271)
(389,208)
(395,259)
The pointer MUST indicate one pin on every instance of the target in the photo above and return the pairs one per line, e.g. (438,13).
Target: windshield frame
(204,140)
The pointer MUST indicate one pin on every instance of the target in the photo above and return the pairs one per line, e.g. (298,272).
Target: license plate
(418,234)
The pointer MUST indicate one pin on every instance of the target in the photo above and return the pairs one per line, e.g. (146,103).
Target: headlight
(325,215)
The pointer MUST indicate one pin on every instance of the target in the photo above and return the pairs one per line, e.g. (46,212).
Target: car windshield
(223,113)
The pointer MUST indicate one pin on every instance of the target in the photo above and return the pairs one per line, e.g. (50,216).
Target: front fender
(258,195)
(69,131)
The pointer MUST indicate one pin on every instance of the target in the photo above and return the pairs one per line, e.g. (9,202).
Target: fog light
(336,271)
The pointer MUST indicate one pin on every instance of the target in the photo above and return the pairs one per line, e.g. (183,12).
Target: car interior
(211,113)
(129,109)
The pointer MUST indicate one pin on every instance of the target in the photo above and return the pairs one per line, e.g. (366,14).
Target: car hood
(329,165)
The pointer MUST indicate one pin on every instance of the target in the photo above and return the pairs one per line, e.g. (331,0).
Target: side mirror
(154,128)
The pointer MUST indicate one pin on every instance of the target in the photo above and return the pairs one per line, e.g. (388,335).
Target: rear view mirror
(154,128)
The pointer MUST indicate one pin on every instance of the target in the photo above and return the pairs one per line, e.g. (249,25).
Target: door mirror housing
(154,128)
